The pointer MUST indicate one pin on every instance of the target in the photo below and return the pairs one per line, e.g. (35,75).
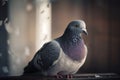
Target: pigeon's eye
(76,25)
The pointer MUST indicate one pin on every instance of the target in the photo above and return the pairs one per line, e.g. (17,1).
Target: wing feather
(45,57)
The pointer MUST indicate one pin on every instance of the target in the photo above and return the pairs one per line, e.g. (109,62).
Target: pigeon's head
(76,27)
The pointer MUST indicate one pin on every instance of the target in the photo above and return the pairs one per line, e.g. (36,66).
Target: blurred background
(25,25)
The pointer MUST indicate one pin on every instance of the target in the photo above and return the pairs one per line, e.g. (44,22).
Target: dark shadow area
(4,62)
(104,40)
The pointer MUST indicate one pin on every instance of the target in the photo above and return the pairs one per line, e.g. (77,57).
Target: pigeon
(63,55)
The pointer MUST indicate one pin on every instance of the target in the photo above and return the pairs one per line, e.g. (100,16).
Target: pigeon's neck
(73,46)
(72,39)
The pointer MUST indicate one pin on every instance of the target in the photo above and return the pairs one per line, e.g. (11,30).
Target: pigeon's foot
(59,76)
(69,76)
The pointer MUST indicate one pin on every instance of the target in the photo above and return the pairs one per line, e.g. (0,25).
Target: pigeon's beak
(85,31)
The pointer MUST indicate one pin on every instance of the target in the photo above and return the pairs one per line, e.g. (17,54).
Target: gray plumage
(64,55)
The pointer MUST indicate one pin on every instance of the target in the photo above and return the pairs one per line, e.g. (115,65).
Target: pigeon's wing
(47,56)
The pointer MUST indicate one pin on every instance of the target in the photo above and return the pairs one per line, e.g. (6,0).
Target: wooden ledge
(92,76)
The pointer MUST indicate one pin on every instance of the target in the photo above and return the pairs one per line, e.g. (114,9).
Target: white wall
(20,42)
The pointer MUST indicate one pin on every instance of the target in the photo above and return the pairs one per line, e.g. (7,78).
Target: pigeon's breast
(77,51)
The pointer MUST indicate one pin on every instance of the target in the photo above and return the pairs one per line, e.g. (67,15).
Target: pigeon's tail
(30,69)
